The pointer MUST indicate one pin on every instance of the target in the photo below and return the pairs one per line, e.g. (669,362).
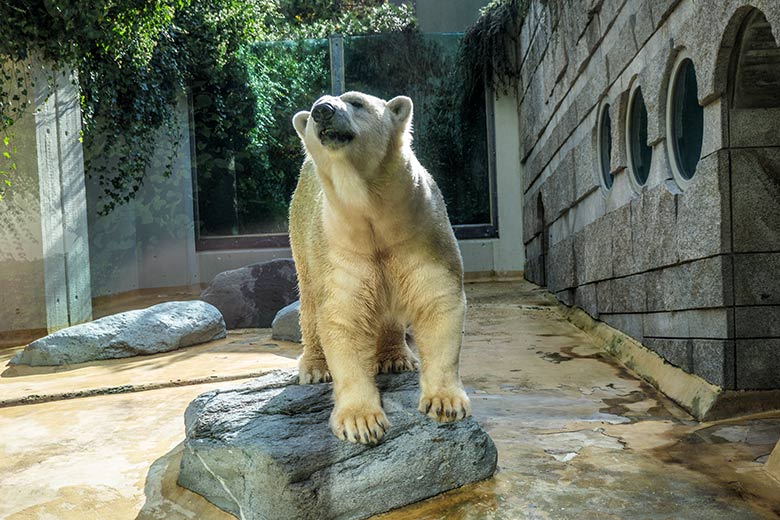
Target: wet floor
(579,437)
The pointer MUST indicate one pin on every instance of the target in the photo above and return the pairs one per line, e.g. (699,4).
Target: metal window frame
(483,231)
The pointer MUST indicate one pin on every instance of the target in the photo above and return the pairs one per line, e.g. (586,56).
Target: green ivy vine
(131,59)
(490,46)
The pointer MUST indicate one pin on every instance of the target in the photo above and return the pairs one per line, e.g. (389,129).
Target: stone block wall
(692,270)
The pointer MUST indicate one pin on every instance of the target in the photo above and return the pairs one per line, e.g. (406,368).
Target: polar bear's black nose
(323,112)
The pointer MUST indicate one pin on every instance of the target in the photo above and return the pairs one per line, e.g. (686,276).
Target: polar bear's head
(355,127)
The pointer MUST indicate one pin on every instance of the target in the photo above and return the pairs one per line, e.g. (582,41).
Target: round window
(685,121)
(605,147)
(639,154)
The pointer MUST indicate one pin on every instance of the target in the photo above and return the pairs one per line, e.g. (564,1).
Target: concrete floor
(578,436)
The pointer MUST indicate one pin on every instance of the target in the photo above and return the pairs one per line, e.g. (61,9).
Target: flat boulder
(250,297)
(160,328)
(286,325)
(264,450)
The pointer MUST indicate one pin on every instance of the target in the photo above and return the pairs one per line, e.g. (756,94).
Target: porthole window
(639,153)
(605,148)
(684,121)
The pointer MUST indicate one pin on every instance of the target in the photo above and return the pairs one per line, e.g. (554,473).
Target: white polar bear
(375,253)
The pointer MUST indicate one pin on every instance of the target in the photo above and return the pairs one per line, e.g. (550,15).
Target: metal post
(336,44)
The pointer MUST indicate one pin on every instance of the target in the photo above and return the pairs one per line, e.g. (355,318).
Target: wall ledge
(703,400)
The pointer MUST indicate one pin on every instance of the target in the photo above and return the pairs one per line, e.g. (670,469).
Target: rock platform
(265,451)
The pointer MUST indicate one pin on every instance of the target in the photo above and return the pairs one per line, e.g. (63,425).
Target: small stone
(250,297)
(286,325)
(160,328)
(265,450)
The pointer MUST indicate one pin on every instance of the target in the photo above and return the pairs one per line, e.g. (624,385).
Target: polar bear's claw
(359,427)
(446,405)
(313,371)
(400,360)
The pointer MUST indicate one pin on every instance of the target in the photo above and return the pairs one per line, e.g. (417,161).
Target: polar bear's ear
(401,108)
(299,122)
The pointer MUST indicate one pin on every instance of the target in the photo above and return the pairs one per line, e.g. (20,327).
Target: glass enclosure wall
(450,127)
(246,169)
(246,172)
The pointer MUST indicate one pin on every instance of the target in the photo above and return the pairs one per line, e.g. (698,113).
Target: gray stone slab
(560,267)
(623,262)
(677,352)
(534,247)
(566,297)
(265,451)
(629,294)
(586,167)
(534,270)
(592,34)
(757,279)
(286,325)
(758,322)
(757,362)
(713,361)
(620,46)
(604,296)
(558,190)
(653,225)
(585,299)
(661,9)
(593,248)
(609,10)
(703,217)
(630,324)
(755,196)
(533,216)
(700,284)
(643,23)
(751,127)
(160,328)
(698,323)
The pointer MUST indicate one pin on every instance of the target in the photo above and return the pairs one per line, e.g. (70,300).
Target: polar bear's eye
(356,104)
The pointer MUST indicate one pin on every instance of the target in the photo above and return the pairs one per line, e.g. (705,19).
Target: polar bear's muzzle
(333,126)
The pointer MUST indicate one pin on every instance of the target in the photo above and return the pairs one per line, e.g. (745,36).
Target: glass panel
(641,153)
(687,120)
(247,166)
(450,121)
(605,142)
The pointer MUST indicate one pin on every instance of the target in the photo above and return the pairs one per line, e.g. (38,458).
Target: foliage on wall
(490,45)
(132,59)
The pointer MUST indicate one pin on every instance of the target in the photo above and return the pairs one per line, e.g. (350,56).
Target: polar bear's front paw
(445,405)
(400,359)
(365,425)
(313,371)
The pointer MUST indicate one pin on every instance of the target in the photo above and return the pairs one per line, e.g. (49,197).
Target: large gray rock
(286,325)
(264,450)
(250,296)
(160,328)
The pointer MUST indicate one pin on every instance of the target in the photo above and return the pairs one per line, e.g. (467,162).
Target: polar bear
(375,253)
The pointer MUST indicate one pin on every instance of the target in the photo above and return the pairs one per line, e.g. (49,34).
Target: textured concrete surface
(244,353)
(265,450)
(578,436)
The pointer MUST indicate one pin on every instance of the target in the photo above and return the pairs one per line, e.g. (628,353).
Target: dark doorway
(754,172)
